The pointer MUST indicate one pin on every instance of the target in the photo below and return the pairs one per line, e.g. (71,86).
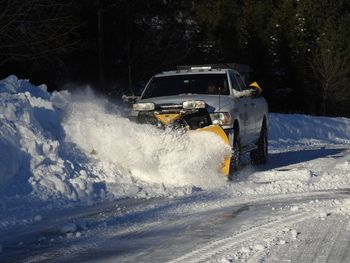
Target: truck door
(240,111)
(252,105)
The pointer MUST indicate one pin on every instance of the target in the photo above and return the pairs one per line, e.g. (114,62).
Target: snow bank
(20,117)
(295,129)
(76,147)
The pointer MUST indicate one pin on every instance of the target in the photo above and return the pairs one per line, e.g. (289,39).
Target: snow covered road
(68,198)
(215,226)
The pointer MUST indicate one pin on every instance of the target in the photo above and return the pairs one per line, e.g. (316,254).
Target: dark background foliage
(298,49)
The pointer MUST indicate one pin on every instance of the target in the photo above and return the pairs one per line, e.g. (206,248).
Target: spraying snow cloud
(143,151)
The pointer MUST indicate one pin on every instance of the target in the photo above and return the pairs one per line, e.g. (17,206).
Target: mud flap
(225,165)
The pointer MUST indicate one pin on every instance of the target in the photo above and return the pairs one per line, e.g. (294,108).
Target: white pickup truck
(206,96)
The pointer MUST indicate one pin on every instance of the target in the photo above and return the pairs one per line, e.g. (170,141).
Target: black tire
(259,156)
(236,155)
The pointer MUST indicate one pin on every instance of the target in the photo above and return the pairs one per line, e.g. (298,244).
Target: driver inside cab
(212,89)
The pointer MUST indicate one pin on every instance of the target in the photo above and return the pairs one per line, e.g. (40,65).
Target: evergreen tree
(218,23)
(145,37)
(321,47)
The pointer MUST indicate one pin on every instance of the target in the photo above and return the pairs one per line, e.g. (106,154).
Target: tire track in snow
(319,241)
(218,247)
(336,250)
(315,240)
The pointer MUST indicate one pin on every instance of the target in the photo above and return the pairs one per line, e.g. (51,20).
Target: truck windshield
(211,84)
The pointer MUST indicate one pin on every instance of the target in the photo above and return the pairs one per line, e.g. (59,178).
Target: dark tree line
(298,49)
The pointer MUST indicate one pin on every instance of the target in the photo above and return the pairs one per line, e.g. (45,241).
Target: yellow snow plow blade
(167,119)
(225,166)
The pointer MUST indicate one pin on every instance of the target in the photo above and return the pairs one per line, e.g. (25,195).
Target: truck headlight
(221,118)
(193,104)
(143,106)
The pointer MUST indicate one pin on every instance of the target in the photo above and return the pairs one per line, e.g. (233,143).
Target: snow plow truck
(212,99)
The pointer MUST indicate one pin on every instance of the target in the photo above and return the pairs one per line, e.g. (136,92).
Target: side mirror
(256,89)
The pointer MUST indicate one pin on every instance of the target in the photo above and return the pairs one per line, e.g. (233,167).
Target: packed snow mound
(60,145)
(21,132)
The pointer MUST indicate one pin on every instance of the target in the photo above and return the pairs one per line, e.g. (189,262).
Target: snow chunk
(69,228)
(83,225)
(294,234)
(286,229)
(224,260)
(294,208)
(38,218)
(323,214)
(245,250)
(259,247)
(10,84)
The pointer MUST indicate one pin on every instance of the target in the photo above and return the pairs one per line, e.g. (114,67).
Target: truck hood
(212,101)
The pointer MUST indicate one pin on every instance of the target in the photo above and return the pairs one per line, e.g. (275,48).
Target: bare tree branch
(332,71)
(31,29)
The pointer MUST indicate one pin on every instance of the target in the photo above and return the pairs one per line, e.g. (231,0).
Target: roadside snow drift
(74,147)
(295,130)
